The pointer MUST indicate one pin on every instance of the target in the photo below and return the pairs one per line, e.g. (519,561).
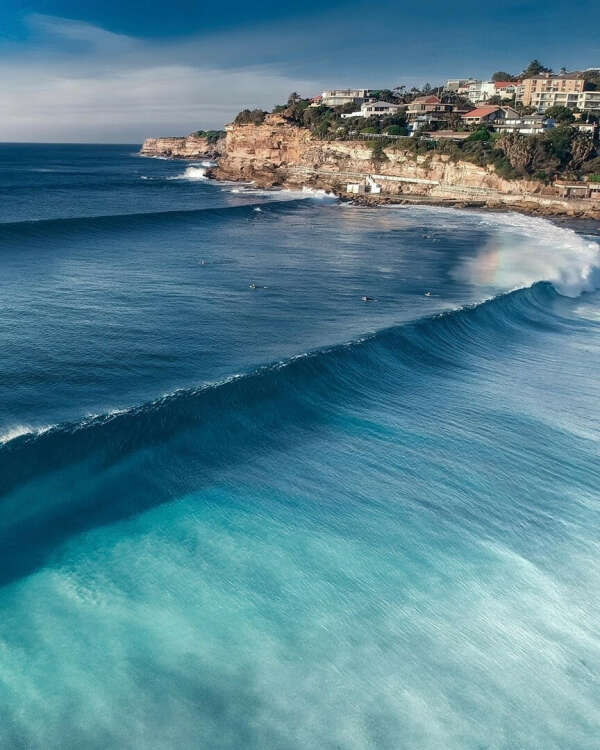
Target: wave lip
(522,250)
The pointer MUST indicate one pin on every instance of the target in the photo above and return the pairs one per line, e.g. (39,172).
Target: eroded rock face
(275,150)
(186,147)
(280,153)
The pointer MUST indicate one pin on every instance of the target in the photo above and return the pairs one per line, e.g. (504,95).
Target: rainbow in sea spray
(388,537)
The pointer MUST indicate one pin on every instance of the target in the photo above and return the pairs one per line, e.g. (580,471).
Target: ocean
(240,507)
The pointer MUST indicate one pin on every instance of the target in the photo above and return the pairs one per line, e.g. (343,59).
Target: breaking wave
(191,173)
(263,408)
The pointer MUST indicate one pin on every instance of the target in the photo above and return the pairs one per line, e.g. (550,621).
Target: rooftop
(380,103)
(426,100)
(483,111)
(562,77)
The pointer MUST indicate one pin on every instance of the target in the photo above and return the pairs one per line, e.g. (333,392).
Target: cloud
(78,82)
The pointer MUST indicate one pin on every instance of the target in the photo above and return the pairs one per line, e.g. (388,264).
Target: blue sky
(105,70)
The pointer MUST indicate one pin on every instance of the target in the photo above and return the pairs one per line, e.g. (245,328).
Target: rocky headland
(277,152)
(184,147)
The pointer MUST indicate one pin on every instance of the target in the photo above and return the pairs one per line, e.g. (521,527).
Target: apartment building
(339,97)
(585,101)
(535,89)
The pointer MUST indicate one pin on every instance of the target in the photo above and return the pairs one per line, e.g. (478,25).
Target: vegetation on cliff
(560,151)
(250,117)
(212,136)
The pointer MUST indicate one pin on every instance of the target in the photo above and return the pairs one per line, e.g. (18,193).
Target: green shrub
(396,130)
(250,117)
(481,134)
(212,136)
(377,152)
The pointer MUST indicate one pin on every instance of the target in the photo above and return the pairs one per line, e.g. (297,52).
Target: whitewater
(240,507)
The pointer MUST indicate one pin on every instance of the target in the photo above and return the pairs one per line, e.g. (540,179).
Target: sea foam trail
(132,221)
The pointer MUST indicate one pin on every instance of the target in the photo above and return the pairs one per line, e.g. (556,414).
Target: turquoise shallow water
(281,517)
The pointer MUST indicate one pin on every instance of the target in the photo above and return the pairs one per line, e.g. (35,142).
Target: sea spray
(191,173)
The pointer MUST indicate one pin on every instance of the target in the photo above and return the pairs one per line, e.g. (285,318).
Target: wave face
(387,531)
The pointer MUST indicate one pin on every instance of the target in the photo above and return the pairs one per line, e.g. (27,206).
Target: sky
(117,71)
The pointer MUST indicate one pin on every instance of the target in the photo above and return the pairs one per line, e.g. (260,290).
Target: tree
(500,75)
(560,114)
(582,147)
(384,95)
(525,110)
(534,68)
(481,134)
(592,80)
(377,152)
(496,99)
(293,98)
(519,150)
(396,130)
(250,116)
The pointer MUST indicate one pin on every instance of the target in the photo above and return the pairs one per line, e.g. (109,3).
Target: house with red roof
(488,114)
(506,89)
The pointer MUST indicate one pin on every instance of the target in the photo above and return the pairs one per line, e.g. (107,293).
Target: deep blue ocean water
(281,517)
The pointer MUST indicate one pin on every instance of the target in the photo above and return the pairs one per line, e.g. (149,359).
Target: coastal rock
(278,152)
(184,147)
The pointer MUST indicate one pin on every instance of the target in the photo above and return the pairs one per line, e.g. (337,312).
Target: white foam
(524,249)
(520,250)
(191,173)
(317,193)
(19,430)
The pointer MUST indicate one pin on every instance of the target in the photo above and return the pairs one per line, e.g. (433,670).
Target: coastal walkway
(439,190)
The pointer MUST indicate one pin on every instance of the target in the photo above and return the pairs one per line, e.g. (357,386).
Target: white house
(506,89)
(374,109)
(338,97)
(459,85)
(525,124)
(481,91)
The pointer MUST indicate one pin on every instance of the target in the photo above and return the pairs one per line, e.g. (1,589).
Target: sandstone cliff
(279,153)
(186,147)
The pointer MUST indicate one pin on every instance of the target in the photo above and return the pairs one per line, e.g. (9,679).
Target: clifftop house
(375,109)
(488,114)
(423,105)
(339,97)
(507,120)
